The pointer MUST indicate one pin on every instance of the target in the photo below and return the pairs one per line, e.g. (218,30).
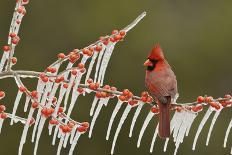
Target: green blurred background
(195,35)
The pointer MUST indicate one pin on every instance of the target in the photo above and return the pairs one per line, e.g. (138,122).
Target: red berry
(122,33)
(32,121)
(80,90)
(14,60)
(92,86)
(208,99)
(61,56)
(2,94)
(35,105)
(74,72)
(122,98)
(53,70)
(85,124)
(90,80)
(114,32)
(74,57)
(98,94)
(60,110)
(133,102)
(80,65)
(6,48)
(125,92)
(12,35)
(65,85)
(117,37)
(3,115)
(143,99)
(34,94)
(200,99)
(98,48)
(45,79)
(155,110)
(22,89)
(2,108)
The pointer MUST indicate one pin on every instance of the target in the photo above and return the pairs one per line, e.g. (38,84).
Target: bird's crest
(156,53)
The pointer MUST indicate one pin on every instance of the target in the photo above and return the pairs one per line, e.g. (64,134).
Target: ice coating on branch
(25,130)
(55,132)
(145,124)
(96,114)
(50,127)
(154,138)
(217,113)
(116,109)
(122,120)
(16,103)
(203,121)
(3,60)
(74,143)
(93,105)
(98,63)
(227,133)
(28,98)
(1,122)
(107,54)
(95,54)
(140,106)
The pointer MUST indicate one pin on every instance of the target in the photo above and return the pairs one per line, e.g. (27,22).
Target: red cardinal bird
(161,82)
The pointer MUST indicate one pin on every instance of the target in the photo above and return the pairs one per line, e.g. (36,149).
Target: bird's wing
(162,87)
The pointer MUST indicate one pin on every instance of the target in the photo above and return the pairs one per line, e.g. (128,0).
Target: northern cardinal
(161,82)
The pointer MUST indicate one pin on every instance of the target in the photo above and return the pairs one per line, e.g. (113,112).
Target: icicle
(212,125)
(71,106)
(25,130)
(74,143)
(194,115)
(116,109)
(50,126)
(55,135)
(70,64)
(205,118)
(43,100)
(73,133)
(122,120)
(140,105)
(75,93)
(61,95)
(98,63)
(3,60)
(154,138)
(181,130)
(105,61)
(60,144)
(91,66)
(70,84)
(40,129)
(40,88)
(93,105)
(52,94)
(66,140)
(145,124)
(227,133)
(95,118)
(27,103)
(178,124)
(16,103)
(1,122)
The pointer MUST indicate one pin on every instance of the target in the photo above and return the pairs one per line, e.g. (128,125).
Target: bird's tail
(164,119)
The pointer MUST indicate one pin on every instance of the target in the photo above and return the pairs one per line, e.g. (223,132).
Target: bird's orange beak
(148,63)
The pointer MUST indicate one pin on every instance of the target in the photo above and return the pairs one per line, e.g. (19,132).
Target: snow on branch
(57,92)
